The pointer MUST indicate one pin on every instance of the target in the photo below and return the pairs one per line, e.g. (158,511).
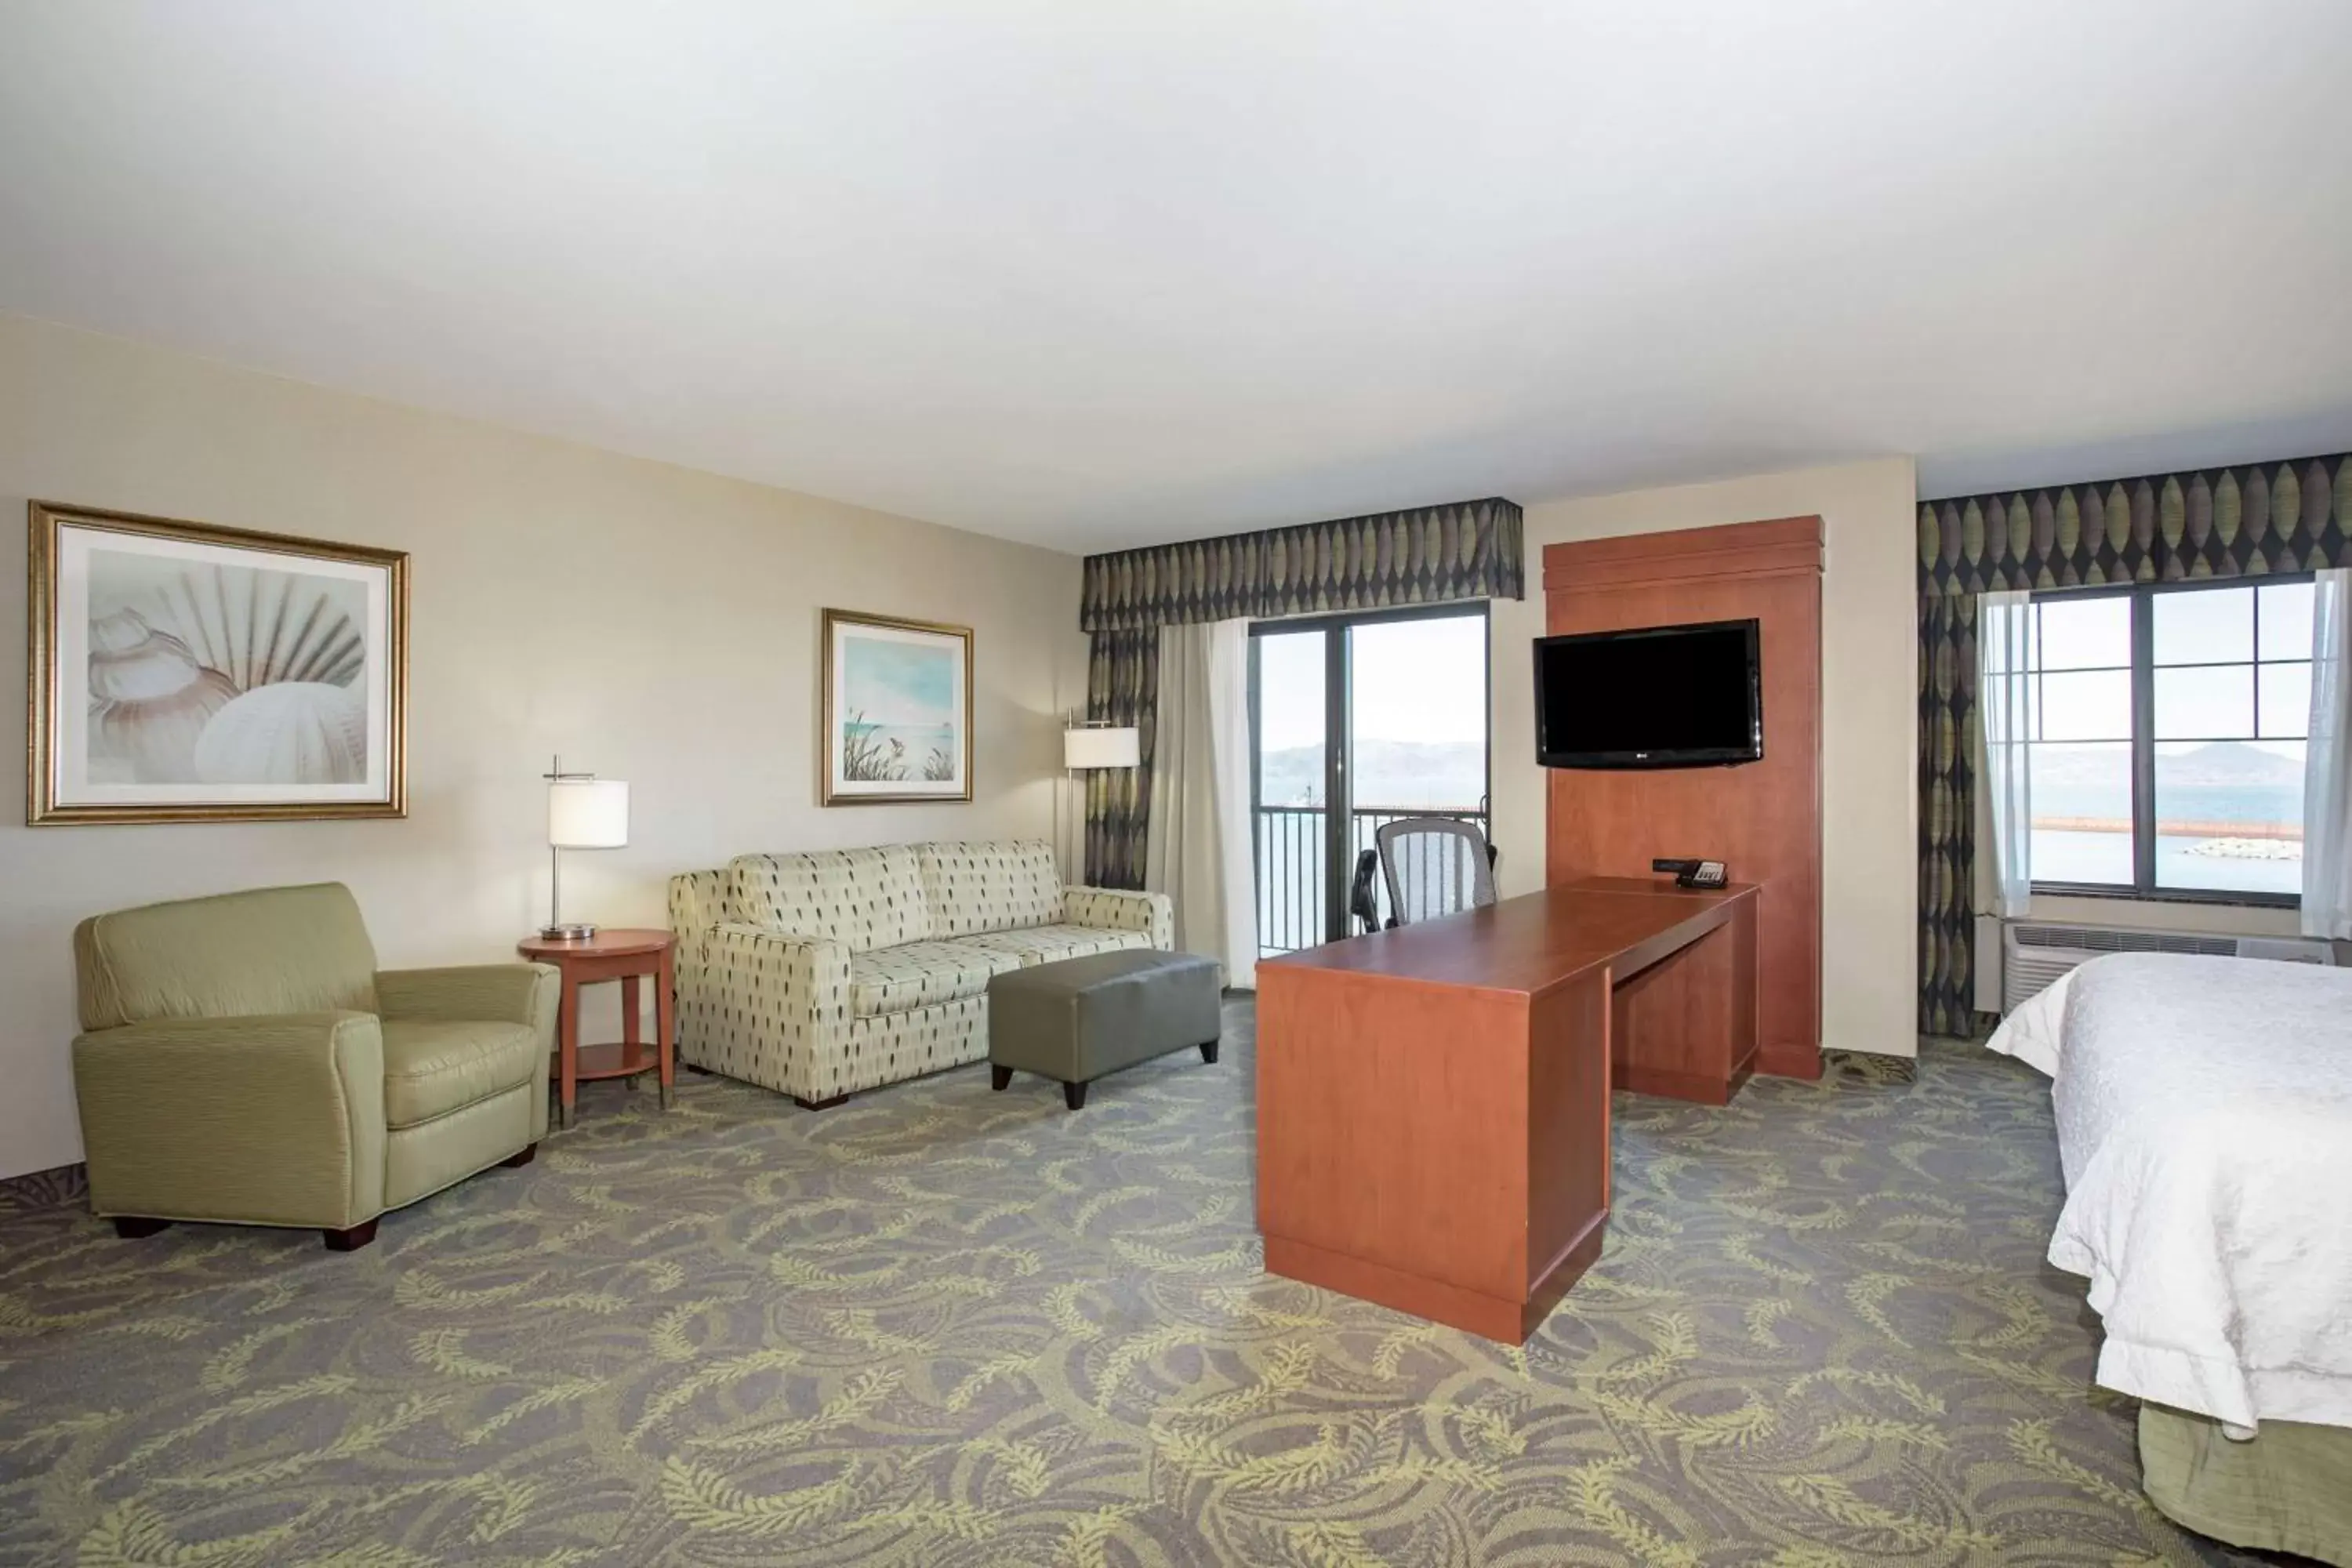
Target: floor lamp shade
(587,814)
(1102,746)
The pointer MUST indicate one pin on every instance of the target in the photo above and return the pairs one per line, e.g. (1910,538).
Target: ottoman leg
(1074,1095)
(999,1076)
(1208,1050)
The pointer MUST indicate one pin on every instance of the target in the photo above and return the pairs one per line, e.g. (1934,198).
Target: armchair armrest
(273,1120)
(476,992)
(1117,909)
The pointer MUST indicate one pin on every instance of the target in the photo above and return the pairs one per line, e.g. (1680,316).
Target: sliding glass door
(1356,720)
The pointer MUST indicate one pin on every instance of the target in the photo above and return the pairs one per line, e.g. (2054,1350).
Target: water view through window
(1415,717)
(2221,679)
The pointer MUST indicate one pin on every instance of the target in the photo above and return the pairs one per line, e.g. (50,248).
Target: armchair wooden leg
(999,1076)
(1209,1050)
(351,1239)
(819,1104)
(131,1226)
(522,1156)
(1074,1095)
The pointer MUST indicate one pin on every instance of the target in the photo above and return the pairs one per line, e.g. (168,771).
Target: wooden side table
(626,956)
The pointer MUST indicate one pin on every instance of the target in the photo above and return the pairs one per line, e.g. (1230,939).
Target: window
(2166,729)
(1356,720)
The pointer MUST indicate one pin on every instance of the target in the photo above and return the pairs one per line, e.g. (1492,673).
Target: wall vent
(2034,955)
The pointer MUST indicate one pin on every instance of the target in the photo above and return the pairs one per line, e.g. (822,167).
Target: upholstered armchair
(244,1060)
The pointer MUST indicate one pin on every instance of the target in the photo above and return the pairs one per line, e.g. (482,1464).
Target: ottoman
(1082,1017)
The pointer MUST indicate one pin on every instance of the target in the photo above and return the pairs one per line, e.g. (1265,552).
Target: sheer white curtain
(2327,766)
(2004,655)
(1196,849)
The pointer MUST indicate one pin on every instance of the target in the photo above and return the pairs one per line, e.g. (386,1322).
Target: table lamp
(583,812)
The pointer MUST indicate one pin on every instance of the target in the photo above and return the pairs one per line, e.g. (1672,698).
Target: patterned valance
(2243,521)
(1467,550)
(2208,522)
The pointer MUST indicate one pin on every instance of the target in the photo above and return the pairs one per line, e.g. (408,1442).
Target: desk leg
(567,1052)
(665,1027)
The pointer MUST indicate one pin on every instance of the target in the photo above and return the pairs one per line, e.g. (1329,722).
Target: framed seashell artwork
(898,711)
(182,672)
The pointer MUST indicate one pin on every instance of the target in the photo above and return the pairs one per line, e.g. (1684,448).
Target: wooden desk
(1433,1103)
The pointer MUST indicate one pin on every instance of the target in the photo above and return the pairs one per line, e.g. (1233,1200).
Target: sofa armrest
(813,971)
(258,1120)
(769,1008)
(472,994)
(1117,909)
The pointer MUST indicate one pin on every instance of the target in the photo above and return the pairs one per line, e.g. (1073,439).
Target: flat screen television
(1659,697)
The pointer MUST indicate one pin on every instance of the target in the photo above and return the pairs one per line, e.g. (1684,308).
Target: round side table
(626,956)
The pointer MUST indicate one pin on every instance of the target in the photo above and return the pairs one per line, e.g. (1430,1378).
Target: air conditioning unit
(2032,956)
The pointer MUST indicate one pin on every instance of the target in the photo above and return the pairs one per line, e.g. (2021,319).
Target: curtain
(2004,655)
(1198,843)
(1122,688)
(2248,521)
(2327,766)
(1432,554)
(1463,549)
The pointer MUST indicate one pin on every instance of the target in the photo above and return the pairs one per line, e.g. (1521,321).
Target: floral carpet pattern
(939,1325)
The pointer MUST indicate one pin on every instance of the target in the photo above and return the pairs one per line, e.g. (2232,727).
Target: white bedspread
(2204,1109)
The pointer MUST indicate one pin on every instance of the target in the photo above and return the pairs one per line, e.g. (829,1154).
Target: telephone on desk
(1693,873)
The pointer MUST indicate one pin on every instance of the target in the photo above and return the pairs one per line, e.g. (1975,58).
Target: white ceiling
(1114,272)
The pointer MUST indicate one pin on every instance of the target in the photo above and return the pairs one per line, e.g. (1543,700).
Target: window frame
(2142,595)
(1339,739)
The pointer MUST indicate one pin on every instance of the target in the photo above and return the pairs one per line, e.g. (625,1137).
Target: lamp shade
(1100,746)
(587,814)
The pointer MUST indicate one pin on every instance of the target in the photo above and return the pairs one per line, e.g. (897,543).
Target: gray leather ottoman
(1082,1017)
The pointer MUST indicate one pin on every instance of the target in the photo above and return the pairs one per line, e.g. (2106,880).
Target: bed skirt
(2290,1489)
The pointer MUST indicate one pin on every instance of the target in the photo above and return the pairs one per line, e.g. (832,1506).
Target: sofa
(243,1059)
(822,974)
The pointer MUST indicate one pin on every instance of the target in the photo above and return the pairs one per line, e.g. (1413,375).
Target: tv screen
(1661,697)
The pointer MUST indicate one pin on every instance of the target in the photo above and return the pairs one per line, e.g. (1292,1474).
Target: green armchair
(244,1060)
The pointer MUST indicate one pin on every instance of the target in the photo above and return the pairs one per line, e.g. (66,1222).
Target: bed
(2204,1116)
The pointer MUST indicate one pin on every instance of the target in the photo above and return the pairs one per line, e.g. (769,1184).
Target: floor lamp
(1086,747)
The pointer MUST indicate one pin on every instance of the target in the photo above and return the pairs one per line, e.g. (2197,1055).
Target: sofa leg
(131,1226)
(522,1156)
(1074,1095)
(998,1078)
(1209,1050)
(819,1104)
(352,1238)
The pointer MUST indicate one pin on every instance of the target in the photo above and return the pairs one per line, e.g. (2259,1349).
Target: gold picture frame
(896,700)
(143,632)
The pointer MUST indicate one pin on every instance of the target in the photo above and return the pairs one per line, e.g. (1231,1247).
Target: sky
(2089,703)
(1414,680)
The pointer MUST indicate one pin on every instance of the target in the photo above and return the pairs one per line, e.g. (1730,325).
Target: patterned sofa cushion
(898,979)
(863,898)
(990,886)
(1046,944)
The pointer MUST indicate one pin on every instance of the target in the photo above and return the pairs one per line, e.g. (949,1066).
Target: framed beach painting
(181,672)
(898,710)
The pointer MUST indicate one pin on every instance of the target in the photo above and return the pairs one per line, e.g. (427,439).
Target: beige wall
(650,622)
(1869,755)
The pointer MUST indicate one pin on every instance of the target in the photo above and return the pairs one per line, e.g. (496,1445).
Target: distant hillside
(2220,763)
(1416,773)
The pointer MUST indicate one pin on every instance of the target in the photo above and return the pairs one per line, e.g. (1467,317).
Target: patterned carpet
(939,1325)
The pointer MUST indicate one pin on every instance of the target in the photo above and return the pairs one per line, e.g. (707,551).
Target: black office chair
(1434,866)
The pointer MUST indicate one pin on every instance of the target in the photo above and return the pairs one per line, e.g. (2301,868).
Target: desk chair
(1434,866)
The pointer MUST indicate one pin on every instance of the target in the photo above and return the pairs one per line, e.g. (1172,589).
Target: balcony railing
(1293,911)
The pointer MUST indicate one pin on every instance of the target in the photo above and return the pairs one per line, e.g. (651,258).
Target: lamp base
(572,930)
